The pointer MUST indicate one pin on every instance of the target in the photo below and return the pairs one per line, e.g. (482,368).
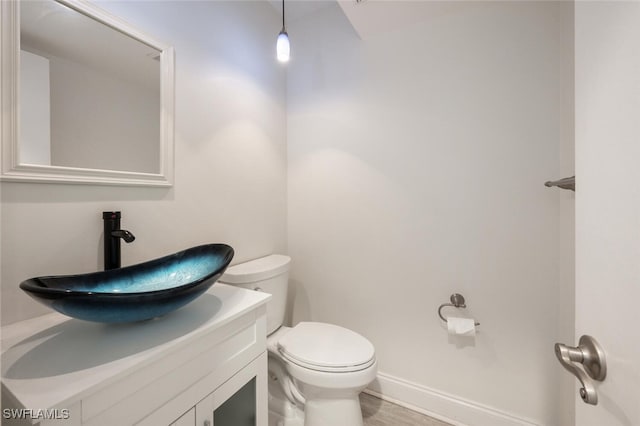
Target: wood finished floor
(377,412)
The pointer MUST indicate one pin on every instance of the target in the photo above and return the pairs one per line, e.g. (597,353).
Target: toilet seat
(326,348)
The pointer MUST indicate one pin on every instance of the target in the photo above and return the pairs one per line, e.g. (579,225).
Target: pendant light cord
(282,15)
(282,43)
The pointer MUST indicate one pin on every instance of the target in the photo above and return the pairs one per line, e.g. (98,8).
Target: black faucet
(112,236)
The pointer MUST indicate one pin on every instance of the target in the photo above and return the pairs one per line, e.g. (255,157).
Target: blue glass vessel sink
(134,293)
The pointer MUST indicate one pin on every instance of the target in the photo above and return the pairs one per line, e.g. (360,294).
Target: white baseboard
(441,406)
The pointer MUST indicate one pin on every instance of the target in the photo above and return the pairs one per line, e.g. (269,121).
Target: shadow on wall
(298,306)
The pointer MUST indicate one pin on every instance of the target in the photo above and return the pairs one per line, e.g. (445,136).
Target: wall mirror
(86,98)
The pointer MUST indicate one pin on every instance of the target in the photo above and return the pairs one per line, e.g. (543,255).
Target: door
(240,401)
(607,90)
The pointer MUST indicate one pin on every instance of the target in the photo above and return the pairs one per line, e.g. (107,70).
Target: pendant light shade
(282,46)
(283,49)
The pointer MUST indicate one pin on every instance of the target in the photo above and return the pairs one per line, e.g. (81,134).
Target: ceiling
(296,9)
(371,17)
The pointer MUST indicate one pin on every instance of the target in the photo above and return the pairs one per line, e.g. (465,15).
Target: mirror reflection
(90,96)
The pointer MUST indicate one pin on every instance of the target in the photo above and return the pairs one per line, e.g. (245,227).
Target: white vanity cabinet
(237,402)
(205,364)
(234,403)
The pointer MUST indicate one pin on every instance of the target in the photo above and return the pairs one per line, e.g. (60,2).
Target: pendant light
(282,45)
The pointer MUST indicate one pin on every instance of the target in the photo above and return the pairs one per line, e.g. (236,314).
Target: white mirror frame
(12,170)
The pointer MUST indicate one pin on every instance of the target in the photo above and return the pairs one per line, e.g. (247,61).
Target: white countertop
(53,360)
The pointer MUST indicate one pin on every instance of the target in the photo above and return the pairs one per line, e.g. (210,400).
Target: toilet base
(323,412)
(275,419)
(281,411)
(300,396)
(317,411)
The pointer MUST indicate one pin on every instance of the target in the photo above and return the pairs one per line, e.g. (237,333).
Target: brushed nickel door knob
(590,354)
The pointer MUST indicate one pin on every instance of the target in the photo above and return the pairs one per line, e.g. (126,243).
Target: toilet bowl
(316,370)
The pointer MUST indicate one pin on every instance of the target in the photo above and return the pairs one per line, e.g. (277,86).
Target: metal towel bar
(566,183)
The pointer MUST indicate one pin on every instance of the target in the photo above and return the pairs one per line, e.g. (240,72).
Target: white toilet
(316,370)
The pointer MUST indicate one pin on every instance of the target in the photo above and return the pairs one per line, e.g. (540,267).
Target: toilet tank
(269,274)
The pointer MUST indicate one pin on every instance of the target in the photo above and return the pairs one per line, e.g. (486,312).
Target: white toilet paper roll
(461,326)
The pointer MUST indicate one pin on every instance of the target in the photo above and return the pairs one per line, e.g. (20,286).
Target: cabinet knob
(207,423)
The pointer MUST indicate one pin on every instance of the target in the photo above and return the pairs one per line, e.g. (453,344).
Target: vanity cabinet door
(240,401)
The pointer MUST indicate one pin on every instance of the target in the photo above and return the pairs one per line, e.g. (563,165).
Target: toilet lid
(326,347)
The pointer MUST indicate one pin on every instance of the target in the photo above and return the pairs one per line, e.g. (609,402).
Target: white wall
(416,168)
(94,118)
(230,183)
(121,131)
(35,113)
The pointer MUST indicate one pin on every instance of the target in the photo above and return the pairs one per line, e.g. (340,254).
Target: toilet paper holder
(457,301)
